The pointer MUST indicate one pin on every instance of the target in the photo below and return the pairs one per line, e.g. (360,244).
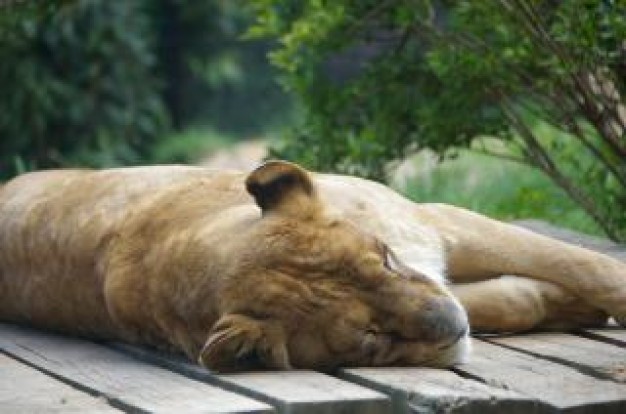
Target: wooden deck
(579,372)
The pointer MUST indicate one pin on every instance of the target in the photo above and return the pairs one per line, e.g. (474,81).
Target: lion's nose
(441,320)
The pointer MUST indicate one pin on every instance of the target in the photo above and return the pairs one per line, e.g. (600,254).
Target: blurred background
(513,108)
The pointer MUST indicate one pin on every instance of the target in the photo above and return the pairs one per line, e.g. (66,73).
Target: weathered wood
(307,392)
(590,357)
(560,386)
(129,384)
(25,390)
(300,392)
(614,336)
(424,390)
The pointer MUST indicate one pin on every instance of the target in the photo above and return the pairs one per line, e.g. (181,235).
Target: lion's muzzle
(442,321)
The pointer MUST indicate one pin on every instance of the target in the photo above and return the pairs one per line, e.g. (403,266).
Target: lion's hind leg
(478,248)
(515,304)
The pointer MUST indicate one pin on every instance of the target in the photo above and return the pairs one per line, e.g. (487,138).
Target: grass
(501,189)
(189,146)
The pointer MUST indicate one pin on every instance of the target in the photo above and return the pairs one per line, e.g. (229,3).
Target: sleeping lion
(281,268)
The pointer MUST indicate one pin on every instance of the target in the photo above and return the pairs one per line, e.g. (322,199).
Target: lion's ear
(283,187)
(237,342)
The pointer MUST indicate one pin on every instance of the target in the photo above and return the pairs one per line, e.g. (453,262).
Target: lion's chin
(456,354)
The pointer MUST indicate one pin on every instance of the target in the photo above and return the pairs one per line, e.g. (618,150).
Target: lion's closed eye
(390,261)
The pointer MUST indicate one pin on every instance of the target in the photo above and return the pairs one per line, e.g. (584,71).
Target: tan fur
(312,271)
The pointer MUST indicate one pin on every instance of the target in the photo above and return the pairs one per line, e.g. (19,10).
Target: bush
(101,83)
(78,88)
(212,76)
(381,79)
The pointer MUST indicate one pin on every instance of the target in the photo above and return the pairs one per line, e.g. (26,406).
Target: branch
(545,163)
(587,98)
(503,156)
(576,132)
(373,12)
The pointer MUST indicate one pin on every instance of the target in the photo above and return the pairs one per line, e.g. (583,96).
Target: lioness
(303,270)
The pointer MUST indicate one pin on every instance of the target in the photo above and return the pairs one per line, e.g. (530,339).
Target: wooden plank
(25,390)
(129,384)
(560,386)
(308,392)
(613,336)
(427,390)
(294,392)
(585,355)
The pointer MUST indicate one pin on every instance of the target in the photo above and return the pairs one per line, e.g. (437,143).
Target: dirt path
(243,156)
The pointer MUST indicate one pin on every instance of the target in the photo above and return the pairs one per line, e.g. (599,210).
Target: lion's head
(311,290)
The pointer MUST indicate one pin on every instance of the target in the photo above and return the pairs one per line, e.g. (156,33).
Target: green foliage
(211,76)
(188,146)
(101,83)
(77,86)
(380,79)
(501,189)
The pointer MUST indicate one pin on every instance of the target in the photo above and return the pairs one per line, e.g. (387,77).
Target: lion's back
(55,227)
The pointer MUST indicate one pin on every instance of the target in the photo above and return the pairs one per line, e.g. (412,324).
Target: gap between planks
(613,335)
(300,392)
(44,393)
(113,402)
(557,385)
(598,359)
(125,382)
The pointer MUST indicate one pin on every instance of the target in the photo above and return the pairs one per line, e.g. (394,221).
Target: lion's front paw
(621,320)
(619,312)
